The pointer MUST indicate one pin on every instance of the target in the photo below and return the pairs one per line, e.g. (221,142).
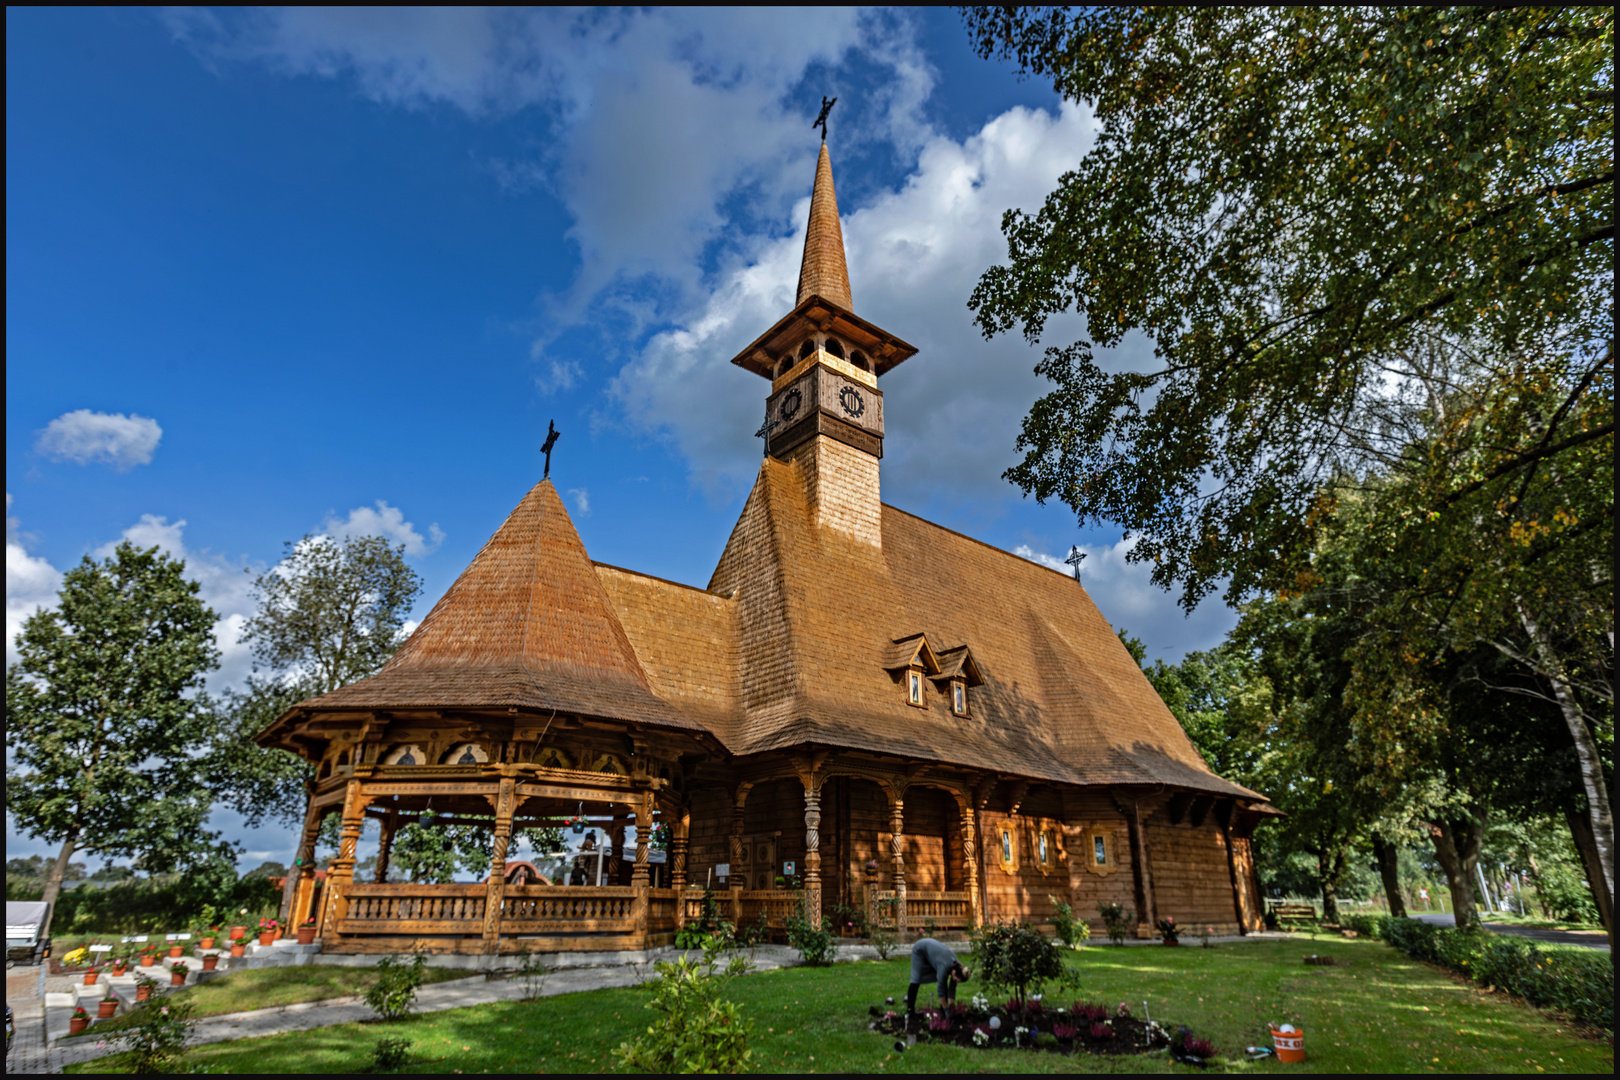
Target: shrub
(533,971)
(1018,957)
(1117,921)
(883,940)
(1572,980)
(1168,929)
(698,1032)
(814,943)
(1102,1030)
(397,982)
(389,1054)
(156,1036)
(1071,931)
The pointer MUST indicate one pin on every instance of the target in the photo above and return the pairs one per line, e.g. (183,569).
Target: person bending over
(930,959)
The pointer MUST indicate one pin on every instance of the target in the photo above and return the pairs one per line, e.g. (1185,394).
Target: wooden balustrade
(774,904)
(413,909)
(947,910)
(661,904)
(548,909)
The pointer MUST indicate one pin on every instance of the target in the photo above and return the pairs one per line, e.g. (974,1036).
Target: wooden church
(862,708)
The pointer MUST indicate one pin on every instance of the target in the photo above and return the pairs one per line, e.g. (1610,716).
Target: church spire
(823,272)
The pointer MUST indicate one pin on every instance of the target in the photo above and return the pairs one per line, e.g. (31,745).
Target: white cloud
(388,521)
(31,583)
(582,501)
(112,439)
(1129,600)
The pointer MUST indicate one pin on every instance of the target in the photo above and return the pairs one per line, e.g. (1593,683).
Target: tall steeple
(824,413)
(823,271)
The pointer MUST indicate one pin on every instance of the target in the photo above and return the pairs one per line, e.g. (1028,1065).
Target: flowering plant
(268,926)
(981,1037)
(76,957)
(309,921)
(1206,934)
(1168,929)
(80,1014)
(179,967)
(149,950)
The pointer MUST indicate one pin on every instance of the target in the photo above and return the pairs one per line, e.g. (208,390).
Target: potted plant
(107,1005)
(239,932)
(205,929)
(148,955)
(269,930)
(1168,930)
(306,933)
(143,987)
(871,868)
(209,958)
(206,937)
(576,824)
(120,962)
(177,973)
(238,947)
(79,1021)
(91,975)
(176,950)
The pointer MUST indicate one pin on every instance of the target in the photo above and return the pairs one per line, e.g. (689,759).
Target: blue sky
(279,272)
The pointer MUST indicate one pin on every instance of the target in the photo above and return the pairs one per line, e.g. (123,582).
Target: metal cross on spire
(765,430)
(1076,557)
(552,435)
(821,120)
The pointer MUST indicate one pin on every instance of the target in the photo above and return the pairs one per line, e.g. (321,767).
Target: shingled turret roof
(823,272)
(527,625)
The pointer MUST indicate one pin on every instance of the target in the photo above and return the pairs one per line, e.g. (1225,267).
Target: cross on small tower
(1076,557)
(552,434)
(821,120)
(765,430)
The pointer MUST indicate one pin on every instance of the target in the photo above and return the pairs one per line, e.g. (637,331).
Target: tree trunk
(53,880)
(1535,882)
(1456,845)
(1332,871)
(1600,820)
(1580,828)
(1389,871)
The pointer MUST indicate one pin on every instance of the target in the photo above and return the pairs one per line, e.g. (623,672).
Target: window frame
(916,693)
(959,698)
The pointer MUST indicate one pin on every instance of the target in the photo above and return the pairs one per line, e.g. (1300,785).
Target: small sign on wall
(723,870)
(789,869)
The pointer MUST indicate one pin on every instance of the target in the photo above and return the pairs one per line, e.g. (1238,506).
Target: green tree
(331,612)
(105,717)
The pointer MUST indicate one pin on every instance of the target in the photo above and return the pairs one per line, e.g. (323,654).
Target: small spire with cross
(552,435)
(1076,557)
(821,120)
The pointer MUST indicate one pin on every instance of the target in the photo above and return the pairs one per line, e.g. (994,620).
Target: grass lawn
(267,988)
(1377,1011)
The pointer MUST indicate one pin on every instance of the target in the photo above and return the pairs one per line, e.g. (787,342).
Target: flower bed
(1077,1028)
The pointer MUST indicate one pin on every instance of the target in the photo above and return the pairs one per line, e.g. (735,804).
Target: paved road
(1591,939)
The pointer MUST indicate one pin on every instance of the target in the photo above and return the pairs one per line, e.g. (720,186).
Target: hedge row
(1573,980)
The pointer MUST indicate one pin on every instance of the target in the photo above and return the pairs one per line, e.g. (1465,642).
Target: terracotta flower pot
(238,932)
(206,943)
(78,1024)
(238,949)
(148,959)
(105,1009)
(211,963)
(143,991)
(119,967)
(177,951)
(268,937)
(177,978)
(306,935)
(91,976)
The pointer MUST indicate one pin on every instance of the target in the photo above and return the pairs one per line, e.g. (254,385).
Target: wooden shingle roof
(529,625)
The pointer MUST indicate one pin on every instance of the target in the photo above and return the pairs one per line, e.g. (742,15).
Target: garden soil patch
(1080,1029)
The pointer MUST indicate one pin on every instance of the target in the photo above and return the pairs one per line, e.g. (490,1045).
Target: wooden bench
(1290,913)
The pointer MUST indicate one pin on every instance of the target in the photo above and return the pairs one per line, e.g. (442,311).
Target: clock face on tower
(850,398)
(791,402)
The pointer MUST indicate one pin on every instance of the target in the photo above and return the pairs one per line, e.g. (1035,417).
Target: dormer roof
(958,663)
(909,652)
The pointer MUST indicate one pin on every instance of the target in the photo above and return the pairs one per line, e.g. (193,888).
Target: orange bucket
(1290,1045)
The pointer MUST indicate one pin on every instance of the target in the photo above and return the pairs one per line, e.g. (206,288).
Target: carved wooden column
(739,800)
(615,842)
(302,876)
(341,873)
(897,829)
(677,861)
(638,876)
(495,897)
(1141,871)
(970,858)
(812,851)
(385,845)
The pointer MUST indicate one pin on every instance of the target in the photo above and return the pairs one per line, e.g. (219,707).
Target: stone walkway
(25,988)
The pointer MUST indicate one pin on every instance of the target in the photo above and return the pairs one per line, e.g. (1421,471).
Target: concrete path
(1589,939)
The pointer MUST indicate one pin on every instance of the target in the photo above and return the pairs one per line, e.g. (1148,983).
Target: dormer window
(910,660)
(914,686)
(958,672)
(959,697)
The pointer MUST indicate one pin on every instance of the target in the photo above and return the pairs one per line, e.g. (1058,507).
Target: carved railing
(775,904)
(540,909)
(948,910)
(661,904)
(413,909)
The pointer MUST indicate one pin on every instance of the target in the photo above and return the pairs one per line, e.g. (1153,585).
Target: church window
(914,687)
(1009,847)
(1099,851)
(959,704)
(1046,850)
